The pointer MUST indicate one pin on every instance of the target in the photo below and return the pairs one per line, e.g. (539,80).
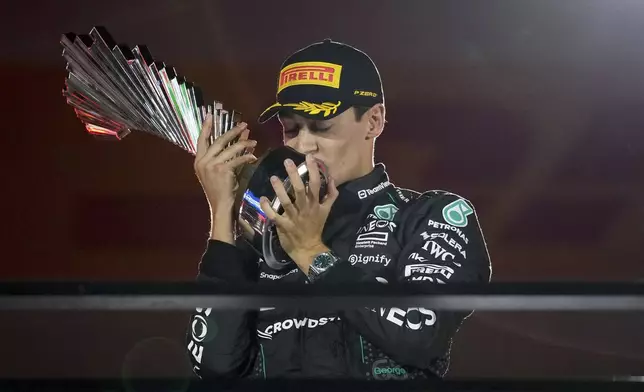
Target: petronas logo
(456,212)
(385,212)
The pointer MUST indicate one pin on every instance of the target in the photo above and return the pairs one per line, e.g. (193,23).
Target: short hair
(360,111)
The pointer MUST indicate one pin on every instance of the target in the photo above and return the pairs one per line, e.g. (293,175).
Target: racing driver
(330,104)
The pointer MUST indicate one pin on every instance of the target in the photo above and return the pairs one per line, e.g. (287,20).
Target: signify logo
(366,259)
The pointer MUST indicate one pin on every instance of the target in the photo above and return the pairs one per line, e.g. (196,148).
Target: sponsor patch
(448,240)
(310,73)
(364,193)
(294,323)
(437,251)
(426,270)
(367,259)
(401,196)
(370,240)
(456,212)
(416,257)
(200,331)
(377,225)
(443,226)
(386,212)
(414,319)
(264,275)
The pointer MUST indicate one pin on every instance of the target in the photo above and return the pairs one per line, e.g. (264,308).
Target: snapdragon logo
(294,323)
(364,193)
(386,369)
(264,275)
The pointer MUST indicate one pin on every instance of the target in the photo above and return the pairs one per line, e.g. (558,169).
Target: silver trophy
(115,90)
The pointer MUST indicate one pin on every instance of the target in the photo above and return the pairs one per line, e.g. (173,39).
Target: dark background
(534,110)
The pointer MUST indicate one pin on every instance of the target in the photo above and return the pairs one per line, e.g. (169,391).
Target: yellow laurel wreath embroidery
(315,108)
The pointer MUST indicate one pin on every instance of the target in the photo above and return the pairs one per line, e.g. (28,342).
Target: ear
(376,120)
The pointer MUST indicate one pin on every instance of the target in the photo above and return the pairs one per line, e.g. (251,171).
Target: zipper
(261,348)
(362,348)
(392,199)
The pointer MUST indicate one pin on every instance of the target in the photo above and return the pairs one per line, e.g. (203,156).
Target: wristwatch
(321,263)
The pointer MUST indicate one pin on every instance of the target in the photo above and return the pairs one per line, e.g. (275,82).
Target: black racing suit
(381,233)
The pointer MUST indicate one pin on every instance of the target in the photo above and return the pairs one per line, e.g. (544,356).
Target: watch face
(323,261)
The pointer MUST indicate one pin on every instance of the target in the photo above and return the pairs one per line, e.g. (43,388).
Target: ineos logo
(199,328)
(407,318)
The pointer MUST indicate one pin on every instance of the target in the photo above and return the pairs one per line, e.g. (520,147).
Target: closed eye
(291,133)
(320,128)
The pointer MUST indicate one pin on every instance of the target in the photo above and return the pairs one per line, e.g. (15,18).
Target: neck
(362,169)
(365,167)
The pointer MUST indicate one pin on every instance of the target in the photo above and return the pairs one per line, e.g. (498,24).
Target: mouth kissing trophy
(115,90)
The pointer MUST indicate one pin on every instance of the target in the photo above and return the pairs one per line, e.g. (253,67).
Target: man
(331,106)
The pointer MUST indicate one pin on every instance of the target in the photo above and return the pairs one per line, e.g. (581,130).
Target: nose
(304,143)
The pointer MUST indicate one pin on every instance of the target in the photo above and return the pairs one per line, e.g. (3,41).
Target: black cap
(323,80)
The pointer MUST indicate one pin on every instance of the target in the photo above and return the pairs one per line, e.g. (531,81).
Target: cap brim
(270,112)
(314,111)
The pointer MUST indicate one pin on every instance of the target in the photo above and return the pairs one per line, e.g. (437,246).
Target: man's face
(339,142)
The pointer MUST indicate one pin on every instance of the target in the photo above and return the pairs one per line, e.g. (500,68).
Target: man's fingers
(279,220)
(202,141)
(314,178)
(221,142)
(296,183)
(246,157)
(236,163)
(285,200)
(235,150)
(331,196)
(233,133)
(244,136)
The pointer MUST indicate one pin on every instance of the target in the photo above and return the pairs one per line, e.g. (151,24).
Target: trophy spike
(116,89)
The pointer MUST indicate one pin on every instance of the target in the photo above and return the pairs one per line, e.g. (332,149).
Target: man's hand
(300,227)
(215,167)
